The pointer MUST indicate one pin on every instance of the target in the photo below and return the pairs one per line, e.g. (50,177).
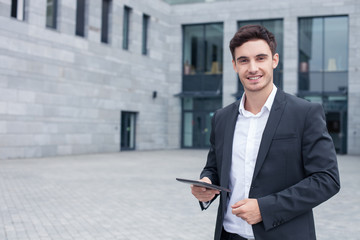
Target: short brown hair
(252,32)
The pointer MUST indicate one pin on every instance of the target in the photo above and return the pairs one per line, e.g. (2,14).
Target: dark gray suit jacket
(296,167)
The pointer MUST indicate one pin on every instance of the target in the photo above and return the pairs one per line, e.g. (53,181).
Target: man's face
(254,64)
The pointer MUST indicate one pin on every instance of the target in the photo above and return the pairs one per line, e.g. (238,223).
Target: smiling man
(271,149)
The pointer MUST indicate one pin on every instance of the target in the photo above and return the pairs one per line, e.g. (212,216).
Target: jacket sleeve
(210,170)
(321,179)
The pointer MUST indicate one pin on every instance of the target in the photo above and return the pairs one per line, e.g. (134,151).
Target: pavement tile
(134,195)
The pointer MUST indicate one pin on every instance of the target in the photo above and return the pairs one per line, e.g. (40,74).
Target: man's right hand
(204,194)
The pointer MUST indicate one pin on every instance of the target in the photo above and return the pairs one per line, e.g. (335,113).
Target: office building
(86,76)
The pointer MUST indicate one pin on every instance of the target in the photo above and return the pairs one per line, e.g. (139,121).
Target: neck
(254,101)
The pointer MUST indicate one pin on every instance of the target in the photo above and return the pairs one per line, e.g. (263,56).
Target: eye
(261,58)
(243,60)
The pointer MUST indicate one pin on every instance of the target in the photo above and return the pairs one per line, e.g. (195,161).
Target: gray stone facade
(61,94)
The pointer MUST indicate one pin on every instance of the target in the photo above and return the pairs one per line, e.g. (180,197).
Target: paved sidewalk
(134,195)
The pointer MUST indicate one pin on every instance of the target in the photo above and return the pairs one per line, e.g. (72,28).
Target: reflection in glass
(323,54)
(214,48)
(310,44)
(197,114)
(188,103)
(323,70)
(203,48)
(336,44)
(188,129)
(193,49)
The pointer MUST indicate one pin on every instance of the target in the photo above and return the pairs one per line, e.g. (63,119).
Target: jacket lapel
(270,128)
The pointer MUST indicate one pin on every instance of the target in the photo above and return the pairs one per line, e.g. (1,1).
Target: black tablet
(203,184)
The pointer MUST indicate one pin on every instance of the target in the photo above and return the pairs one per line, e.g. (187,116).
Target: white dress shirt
(247,137)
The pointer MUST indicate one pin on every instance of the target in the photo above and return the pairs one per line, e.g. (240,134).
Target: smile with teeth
(254,78)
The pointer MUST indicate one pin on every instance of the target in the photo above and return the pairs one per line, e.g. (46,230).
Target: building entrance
(197,114)
(197,128)
(128,124)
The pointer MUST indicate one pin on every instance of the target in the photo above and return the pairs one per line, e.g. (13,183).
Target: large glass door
(202,127)
(197,116)
(336,124)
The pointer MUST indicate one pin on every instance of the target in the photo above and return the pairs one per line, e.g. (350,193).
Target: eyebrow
(259,55)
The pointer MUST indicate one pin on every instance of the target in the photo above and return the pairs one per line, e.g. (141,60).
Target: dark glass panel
(336,81)
(14,4)
(105,21)
(214,48)
(80,18)
(145,33)
(193,49)
(336,44)
(51,13)
(126,23)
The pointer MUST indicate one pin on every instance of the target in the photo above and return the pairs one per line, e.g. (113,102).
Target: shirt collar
(268,104)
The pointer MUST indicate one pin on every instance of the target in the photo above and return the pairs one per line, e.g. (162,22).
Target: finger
(238,204)
(198,189)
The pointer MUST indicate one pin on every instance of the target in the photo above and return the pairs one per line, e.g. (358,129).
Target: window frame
(52,24)
(80,18)
(126,27)
(145,29)
(105,21)
(323,92)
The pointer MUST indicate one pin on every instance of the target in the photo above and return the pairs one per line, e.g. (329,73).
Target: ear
(275,60)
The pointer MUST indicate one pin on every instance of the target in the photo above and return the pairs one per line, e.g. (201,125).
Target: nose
(253,67)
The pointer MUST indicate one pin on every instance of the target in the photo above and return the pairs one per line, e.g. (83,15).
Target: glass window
(106,4)
(323,54)
(17,9)
(146,19)
(203,49)
(336,44)
(214,48)
(276,27)
(51,13)
(126,23)
(80,18)
(193,49)
(188,129)
(188,104)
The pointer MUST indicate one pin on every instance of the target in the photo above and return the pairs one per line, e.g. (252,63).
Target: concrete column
(66,16)
(94,21)
(290,54)
(37,13)
(230,81)
(5,8)
(353,139)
